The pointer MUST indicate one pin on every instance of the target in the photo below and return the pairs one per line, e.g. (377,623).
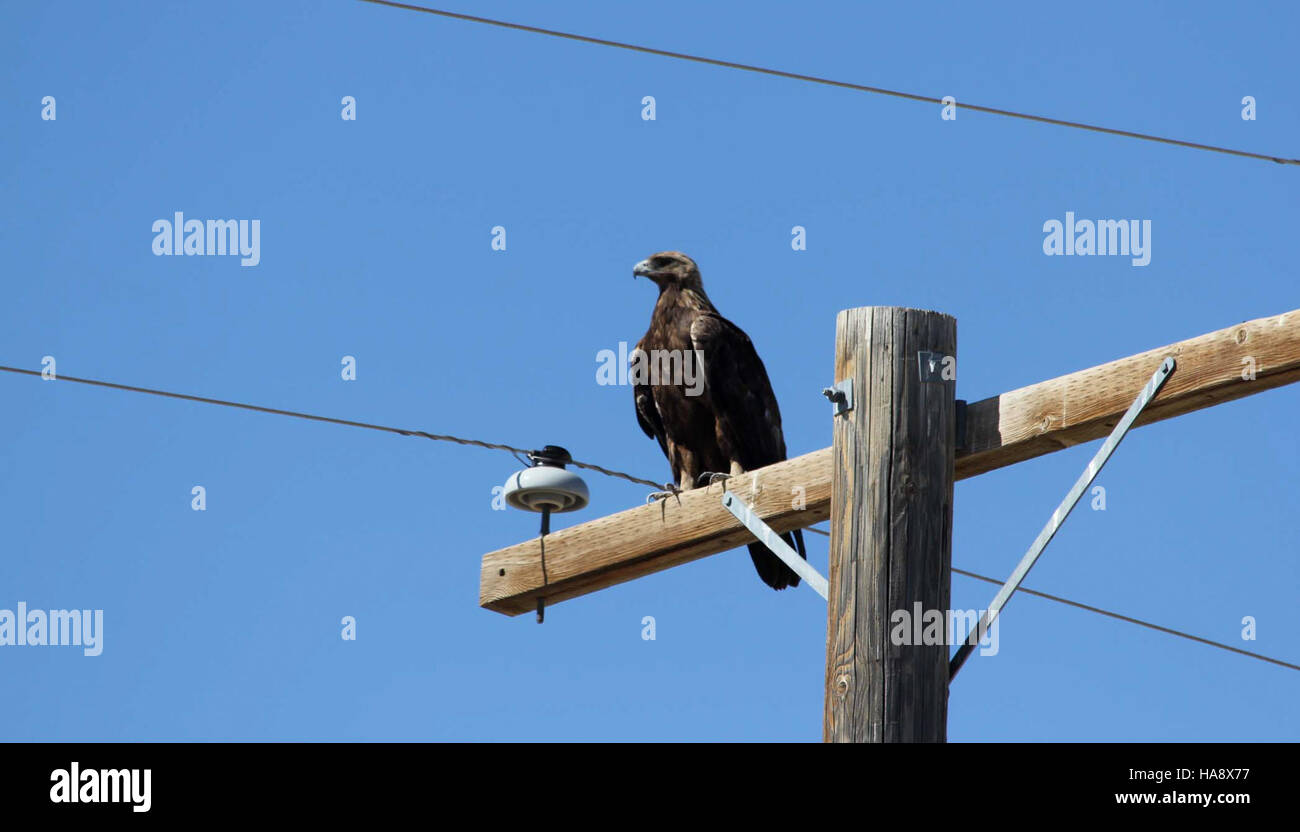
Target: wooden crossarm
(1000,431)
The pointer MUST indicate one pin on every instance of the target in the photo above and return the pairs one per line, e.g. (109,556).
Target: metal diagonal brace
(771,540)
(1058,517)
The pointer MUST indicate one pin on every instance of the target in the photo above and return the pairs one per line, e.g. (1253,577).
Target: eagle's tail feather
(772,569)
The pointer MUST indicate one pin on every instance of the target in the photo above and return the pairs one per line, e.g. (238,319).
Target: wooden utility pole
(891,526)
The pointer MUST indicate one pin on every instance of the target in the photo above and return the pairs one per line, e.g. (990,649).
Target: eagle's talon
(670,490)
(713,478)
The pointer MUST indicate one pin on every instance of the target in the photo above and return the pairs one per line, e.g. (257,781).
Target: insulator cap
(547,486)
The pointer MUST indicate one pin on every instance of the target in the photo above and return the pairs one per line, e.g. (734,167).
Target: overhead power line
(297,415)
(997,111)
(1058,599)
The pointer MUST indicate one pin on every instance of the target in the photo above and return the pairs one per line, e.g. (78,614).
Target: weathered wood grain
(891,528)
(1085,405)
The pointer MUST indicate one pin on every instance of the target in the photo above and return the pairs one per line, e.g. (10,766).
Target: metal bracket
(1058,517)
(841,396)
(931,365)
(771,540)
(960,443)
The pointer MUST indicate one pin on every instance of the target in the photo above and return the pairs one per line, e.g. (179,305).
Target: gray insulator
(544,487)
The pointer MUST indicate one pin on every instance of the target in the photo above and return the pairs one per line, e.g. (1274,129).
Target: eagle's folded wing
(736,381)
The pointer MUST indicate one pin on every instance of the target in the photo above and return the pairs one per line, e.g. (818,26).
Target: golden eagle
(702,391)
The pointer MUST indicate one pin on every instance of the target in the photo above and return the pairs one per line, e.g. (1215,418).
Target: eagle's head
(670,268)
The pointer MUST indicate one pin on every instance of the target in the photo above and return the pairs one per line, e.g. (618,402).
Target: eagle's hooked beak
(642,269)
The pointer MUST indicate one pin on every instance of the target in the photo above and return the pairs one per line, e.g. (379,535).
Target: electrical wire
(1058,599)
(369,426)
(997,111)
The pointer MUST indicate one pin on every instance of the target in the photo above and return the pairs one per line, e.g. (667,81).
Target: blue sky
(375,242)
